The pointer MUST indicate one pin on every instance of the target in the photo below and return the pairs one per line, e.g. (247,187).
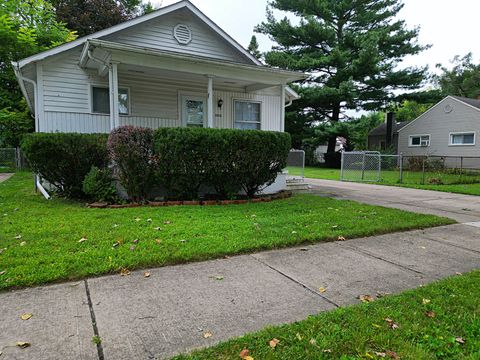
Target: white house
(173,67)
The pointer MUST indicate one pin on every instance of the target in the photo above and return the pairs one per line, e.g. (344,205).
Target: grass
(438,321)
(411,179)
(47,241)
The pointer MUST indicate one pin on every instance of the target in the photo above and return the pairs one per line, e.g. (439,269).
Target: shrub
(131,150)
(64,159)
(98,185)
(226,159)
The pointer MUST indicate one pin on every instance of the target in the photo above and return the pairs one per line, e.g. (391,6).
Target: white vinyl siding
(459,139)
(159,34)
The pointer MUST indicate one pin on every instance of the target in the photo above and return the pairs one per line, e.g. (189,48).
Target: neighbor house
(385,136)
(447,130)
(173,67)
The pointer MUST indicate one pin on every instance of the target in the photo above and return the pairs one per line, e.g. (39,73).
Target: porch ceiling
(97,54)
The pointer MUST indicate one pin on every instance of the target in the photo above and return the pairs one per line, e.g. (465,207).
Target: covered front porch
(155,88)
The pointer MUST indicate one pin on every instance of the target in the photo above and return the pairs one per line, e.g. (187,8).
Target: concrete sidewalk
(172,310)
(463,208)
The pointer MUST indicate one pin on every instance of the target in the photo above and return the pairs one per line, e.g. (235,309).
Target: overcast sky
(450,26)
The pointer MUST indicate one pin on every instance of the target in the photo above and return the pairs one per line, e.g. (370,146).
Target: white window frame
(450,138)
(410,144)
(90,98)
(260,123)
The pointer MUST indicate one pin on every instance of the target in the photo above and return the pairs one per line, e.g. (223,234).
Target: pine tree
(253,47)
(351,48)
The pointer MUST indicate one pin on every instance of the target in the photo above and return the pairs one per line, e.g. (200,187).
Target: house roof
(138,20)
(382,128)
(469,101)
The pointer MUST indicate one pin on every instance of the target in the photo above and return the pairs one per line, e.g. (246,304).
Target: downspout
(19,75)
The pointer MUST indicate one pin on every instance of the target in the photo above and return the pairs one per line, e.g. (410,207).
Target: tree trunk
(332,141)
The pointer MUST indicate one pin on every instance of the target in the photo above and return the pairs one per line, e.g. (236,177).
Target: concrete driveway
(462,208)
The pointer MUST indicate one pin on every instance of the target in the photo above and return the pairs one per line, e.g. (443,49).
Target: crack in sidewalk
(306,287)
(94,322)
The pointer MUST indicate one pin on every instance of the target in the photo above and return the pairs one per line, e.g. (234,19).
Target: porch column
(113,87)
(210,103)
(282,107)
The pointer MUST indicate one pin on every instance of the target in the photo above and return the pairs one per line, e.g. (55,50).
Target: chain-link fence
(296,164)
(422,170)
(11,159)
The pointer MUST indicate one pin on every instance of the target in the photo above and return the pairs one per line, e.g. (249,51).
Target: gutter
(18,74)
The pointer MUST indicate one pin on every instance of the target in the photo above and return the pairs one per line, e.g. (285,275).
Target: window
(194,111)
(419,140)
(462,138)
(247,115)
(101,100)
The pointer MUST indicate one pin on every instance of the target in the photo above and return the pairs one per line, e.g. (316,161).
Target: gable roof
(382,128)
(138,20)
(469,101)
(473,103)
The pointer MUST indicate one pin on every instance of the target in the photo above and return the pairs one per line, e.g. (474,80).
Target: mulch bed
(280,195)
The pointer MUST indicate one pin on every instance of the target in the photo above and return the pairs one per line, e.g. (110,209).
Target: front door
(194,111)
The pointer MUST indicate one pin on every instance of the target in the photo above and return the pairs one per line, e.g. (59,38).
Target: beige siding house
(449,128)
(173,67)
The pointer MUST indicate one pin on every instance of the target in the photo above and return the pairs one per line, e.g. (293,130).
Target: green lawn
(411,179)
(438,321)
(44,241)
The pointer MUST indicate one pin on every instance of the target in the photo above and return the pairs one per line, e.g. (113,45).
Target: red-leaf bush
(131,150)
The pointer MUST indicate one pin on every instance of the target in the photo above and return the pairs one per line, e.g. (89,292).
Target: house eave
(120,52)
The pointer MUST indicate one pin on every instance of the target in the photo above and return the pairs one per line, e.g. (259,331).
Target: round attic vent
(448,108)
(182,34)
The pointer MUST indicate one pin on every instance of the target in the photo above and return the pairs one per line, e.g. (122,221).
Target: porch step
(298,187)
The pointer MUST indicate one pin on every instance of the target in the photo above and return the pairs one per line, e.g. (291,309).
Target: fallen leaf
(369,356)
(116,244)
(132,248)
(149,220)
(137,219)
(458,273)
(135,241)
(273,343)
(183,241)
(380,354)
(376,326)
(392,355)
(422,247)
(366,298)
(2,250)
(430,314)
(334,226)
(391,324)
(207,335)
(313,342)
(115,226)
(158,241)
(124,272)
(82,240)
(425,301)
(244,353)
(327,350)
(299,337)
(322,289)
(167,222)
(460,340)
(381,294)
(18,237)
(157,228)
(23,344)
(341,238)
(248,358)
(26,316)
(146,274)
(3,272)
(23,243)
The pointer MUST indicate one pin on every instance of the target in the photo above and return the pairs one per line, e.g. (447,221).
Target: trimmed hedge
(63,159)
(227,160)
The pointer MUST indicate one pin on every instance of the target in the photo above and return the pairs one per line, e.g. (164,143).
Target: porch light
(220,103)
